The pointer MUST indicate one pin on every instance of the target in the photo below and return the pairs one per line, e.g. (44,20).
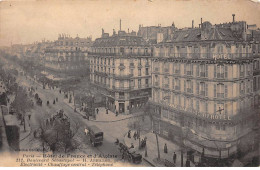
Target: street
(112,130)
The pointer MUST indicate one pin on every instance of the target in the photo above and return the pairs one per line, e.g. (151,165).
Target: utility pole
(159,157)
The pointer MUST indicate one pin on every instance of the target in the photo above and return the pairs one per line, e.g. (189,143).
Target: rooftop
(120,40)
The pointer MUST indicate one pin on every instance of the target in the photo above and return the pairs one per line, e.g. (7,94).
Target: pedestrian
(174,157)
(165,148)
(187,163)
(116,113)
(97,110)
(135,135)
(132,145)
(129,134)
(107,111)
(56,99)
(29,116)
(34,134)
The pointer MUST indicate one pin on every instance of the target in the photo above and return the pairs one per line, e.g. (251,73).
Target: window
(132,83)
(132,71)
(139,72)
(198,105)
(147,71)
(121,84)
(226,71)
(226,91)
(146,81)
(166,67)
(197,88)
(139,83)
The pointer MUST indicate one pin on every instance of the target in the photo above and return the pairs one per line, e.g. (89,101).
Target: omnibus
(95,135)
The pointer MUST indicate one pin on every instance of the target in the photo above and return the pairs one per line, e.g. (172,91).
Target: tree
(21,103)
(148,111)
(59,135)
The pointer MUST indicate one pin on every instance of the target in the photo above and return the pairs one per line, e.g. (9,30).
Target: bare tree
(148,111)
(21,104)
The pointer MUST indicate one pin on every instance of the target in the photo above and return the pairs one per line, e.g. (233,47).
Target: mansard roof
(122,40)
(198,34)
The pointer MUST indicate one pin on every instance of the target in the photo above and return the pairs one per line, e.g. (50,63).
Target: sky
(28,21)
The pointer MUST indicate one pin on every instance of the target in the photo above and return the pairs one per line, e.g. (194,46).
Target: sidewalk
(102,116)
(152,151)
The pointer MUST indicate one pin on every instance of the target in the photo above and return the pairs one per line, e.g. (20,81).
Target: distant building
(206,88)
(67,56)
(156,34)
(120,70)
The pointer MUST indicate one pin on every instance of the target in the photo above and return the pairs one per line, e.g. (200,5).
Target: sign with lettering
(198,113)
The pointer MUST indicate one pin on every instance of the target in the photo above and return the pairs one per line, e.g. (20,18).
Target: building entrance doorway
(121,107)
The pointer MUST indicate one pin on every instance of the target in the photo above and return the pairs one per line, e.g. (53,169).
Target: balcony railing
(166,86)
(202,74)
(121,88)
(207,55)
(120,54)
(188,73)
(189,90)
(121,97)
(220,95)
(202,93)
(242,92)
(123,76)
(166,70)
(220,75)
(177,88)
(177,71)
(132,65)
(156,69)
(156,83)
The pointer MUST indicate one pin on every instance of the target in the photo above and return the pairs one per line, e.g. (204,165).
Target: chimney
(120,24)
(192,23)
(128,30)
(201,21)
(233,15)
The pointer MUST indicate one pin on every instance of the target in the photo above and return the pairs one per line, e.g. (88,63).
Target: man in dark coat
(174,157)
(165,148)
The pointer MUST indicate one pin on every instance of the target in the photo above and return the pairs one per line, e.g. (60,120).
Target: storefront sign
(198,113)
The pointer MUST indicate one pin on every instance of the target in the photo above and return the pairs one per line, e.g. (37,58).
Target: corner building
(206,88)
(120,71)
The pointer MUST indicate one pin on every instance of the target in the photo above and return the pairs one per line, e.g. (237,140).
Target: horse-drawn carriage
(129,154)
(39,101)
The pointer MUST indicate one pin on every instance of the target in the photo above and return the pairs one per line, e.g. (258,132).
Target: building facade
(67,56)
(206,88)
(120,70)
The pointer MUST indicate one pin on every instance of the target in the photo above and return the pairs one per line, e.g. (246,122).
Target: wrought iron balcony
(202,74)
(189,90)
(189,73)
(220,95)
(202,93)
(220,75)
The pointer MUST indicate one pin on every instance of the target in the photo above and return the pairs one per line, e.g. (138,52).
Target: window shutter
(226,72)
(215,71)
(226,91)
(215,90)
(191,87)
(206,89)
(207,68)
